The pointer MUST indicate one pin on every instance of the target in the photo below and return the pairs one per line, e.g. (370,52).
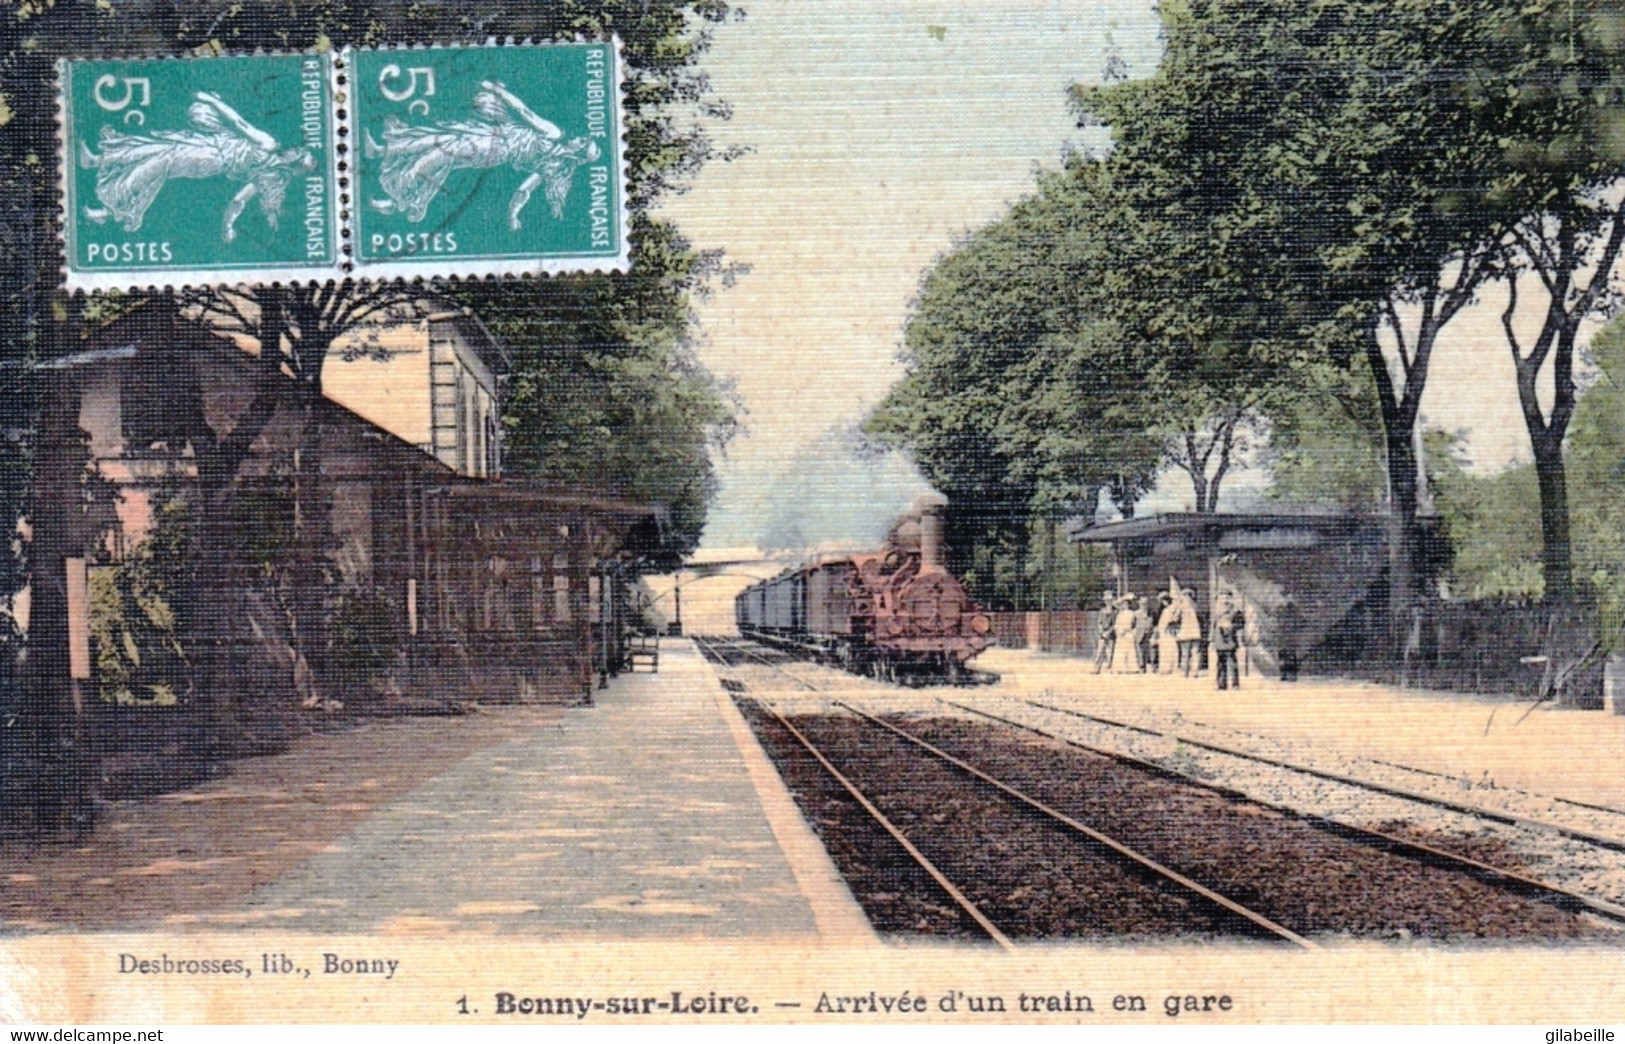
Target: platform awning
(1255,530)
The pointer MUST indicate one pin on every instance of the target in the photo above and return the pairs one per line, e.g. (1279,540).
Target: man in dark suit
(1228,624)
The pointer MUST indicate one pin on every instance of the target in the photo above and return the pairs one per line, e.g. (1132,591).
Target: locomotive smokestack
(931,530)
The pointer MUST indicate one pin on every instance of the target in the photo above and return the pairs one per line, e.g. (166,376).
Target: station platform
(651,814)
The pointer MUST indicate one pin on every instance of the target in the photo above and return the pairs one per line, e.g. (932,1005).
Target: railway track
(1428,853)
(718,650)
(1571,802)
(1433,801)
(1227,908)
(723,648)
(1044,858)
(814,736)
(1616,844)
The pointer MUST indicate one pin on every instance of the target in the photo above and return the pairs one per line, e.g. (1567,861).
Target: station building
(1314,591)
(1306,583)
(468,584)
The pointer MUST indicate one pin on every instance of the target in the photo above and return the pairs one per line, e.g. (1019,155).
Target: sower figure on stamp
(1105,632)
(416,160)
(1228,624)
(133,168)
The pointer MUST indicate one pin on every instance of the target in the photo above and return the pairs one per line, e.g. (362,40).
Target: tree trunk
(313,535)
(217,697)
(1225,437)
(213,607)
(311,338)
(1403,587)
(1399,444)
(53,713)
(1556,555)
(1195,466)
(1556,339)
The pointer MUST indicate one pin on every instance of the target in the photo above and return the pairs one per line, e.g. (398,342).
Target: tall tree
(1018,398)
(1341,184)
(1558,115)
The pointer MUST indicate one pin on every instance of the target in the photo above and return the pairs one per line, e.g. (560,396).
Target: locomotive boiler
(896,613)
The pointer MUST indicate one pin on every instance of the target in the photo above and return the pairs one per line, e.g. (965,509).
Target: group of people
(1163,635)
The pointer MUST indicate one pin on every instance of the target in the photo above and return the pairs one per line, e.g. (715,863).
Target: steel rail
(919,857)
(1421,849)
(708,649)
(729,645)
(1165,872)
(1609,809)
(764,661)
(1508,818)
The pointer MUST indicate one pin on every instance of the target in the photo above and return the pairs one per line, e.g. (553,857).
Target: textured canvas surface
(1154,407)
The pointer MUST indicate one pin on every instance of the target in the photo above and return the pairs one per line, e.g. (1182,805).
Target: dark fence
(1009,629)
(1517,648)
(1509,648)
(1068,631)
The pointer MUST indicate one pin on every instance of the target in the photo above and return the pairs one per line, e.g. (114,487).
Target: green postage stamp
(455,161)
(200,171)
(487,160)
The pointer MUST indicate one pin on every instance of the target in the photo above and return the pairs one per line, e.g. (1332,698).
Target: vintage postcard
(673,512)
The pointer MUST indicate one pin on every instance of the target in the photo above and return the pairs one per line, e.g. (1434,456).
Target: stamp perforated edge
(442,267)
(152,279)
(344,264)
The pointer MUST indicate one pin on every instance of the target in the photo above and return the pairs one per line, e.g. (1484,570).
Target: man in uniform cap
(1105,632)
(1228,624)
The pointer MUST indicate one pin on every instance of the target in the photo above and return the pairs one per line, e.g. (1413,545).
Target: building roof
(477,336)
(1156,526)
(525,492)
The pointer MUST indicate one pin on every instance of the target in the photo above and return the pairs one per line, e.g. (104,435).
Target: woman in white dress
(1126,652)
(1167,635)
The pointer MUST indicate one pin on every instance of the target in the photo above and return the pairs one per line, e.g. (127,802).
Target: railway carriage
(896,613)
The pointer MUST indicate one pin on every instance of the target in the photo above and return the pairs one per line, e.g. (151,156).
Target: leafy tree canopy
(1018,396)
(1494,521)
(634,362)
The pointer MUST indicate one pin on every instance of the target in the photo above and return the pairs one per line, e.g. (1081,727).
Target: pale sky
(881,132)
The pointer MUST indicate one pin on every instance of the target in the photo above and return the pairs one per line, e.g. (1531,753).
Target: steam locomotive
(895,613)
